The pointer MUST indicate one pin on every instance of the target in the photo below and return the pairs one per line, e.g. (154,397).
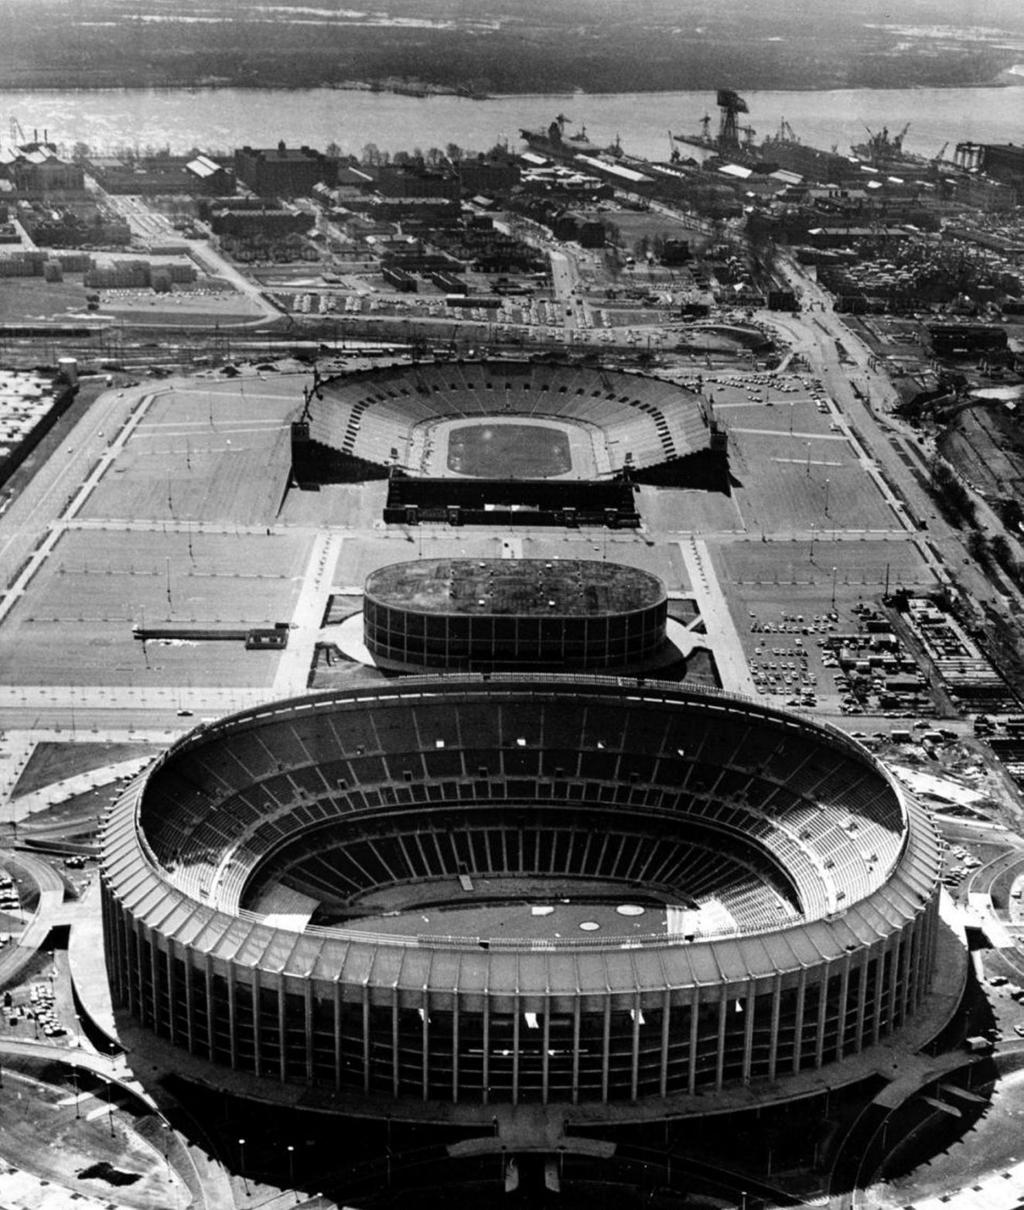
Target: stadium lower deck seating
(759,818)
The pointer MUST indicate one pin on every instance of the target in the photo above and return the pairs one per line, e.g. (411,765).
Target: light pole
(826,497)
(808,444)
(74,1076)
(110,1107)
(241,1156)
(291,1169)
(833,589)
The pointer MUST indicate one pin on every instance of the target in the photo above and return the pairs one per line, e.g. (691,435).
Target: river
(221,119)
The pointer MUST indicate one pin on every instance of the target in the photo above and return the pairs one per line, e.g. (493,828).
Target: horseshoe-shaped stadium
(455,893)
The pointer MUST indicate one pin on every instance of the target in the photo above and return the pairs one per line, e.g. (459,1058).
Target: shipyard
(512,658)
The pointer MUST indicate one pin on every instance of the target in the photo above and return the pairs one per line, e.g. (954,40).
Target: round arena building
(440,896)
(525,614)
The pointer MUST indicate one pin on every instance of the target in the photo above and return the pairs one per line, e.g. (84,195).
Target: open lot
(806,595)
(785,485)
(216,452)
(24,299)
(195,308)
(181,529)
(74,626)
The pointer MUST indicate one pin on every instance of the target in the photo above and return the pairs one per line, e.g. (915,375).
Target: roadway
(48,494)
(566,285)
(816,336)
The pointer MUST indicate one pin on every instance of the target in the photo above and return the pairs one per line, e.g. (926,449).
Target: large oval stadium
(474,891)
(507,441)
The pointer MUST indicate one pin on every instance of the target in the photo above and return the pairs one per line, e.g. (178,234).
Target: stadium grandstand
(432,898)
(536,432)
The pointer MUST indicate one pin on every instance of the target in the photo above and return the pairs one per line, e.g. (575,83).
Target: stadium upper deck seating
(825,828)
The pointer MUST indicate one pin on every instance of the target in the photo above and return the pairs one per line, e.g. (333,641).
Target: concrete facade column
(723,1020)
(691,1076)
(798,1025)
(257,1024)
(773,1048)
(282,1030)
(819,1041)
(190,1006)
(666,1037)
(232,1020)
(750,1004)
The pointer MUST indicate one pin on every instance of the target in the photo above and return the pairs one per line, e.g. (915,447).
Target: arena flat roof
(525,587)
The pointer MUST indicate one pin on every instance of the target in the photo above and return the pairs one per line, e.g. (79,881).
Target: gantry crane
(732,105)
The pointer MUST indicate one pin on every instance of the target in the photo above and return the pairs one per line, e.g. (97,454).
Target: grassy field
(24,299)
(514,451)
(51,762)
(202,311)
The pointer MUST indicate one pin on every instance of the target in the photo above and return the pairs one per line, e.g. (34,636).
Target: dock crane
(731,105)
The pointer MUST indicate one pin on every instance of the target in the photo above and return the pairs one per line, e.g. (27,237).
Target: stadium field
(512,451)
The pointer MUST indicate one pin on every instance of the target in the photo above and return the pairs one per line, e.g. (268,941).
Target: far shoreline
(1006,79)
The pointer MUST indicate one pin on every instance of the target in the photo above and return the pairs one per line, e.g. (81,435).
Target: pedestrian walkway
(295,661)
(725,642)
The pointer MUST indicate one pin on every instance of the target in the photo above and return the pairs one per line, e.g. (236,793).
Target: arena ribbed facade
(533,615)
(277,891)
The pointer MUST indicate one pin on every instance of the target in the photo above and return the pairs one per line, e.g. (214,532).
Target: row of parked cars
(10,900)
(41,1000)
